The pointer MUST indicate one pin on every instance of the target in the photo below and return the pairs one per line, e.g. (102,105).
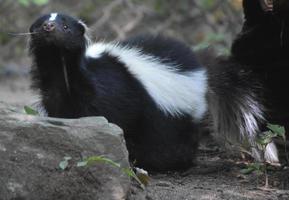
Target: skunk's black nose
(48,26)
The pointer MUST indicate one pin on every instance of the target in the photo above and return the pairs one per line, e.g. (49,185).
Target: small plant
(141,179)
(94,159)
(257,168)
(274,131)
(30,111)
(141,176)
(64,164)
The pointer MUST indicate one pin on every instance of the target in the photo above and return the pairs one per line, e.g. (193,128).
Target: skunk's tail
(236,111)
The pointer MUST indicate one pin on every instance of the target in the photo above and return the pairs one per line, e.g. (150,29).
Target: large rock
(31,149)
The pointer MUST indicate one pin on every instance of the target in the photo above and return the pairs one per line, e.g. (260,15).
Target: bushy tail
(235,106)
(233,101)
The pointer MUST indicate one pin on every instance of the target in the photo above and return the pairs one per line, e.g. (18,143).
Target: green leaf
(254,167)
(266,138)
(263,141)
(91,160)
(142,178)
(64,164)
(67,158)
(129,172)
(279,130)
(40,2)
(81,164)
(94,159)
(247,170)
(36,2)
(30,111)
(109,161)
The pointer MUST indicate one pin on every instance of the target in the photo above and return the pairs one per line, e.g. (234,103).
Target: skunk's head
(255,10)
(265,35)
(58,30)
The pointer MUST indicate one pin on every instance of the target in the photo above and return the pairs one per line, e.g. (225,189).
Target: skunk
(236,111)
(151,86)
(262,47)
(254,76)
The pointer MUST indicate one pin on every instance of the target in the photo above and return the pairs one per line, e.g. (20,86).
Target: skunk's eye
(65,27)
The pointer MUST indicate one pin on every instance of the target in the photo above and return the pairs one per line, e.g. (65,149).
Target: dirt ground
(214,176)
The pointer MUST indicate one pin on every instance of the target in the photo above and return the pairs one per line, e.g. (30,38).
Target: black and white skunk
(151,86)
(248,86)
(263,47)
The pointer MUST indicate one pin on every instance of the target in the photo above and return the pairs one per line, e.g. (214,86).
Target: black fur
(170,51)
(103,87)
(235,103)
(263,48)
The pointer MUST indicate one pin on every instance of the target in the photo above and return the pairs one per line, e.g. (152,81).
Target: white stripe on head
(53,16)
(174,92)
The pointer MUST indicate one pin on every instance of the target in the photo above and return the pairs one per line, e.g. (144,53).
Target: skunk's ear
(253,10)
(86,32)
(83,26)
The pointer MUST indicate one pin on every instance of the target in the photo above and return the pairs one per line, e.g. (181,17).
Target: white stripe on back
(174,92)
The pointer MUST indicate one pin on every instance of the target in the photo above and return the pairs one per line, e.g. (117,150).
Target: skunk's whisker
(22,34)
(18,34)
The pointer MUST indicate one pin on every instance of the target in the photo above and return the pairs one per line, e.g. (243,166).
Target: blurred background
(199,23)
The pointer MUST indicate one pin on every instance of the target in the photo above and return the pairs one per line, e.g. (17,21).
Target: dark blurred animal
(263,47)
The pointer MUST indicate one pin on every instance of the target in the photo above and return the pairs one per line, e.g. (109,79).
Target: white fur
(83,24)
(174,92)
(271,153)
(53,16)
(252,113)
(87,33)
(38,106)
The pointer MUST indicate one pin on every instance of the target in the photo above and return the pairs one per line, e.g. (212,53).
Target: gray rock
(31,149)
